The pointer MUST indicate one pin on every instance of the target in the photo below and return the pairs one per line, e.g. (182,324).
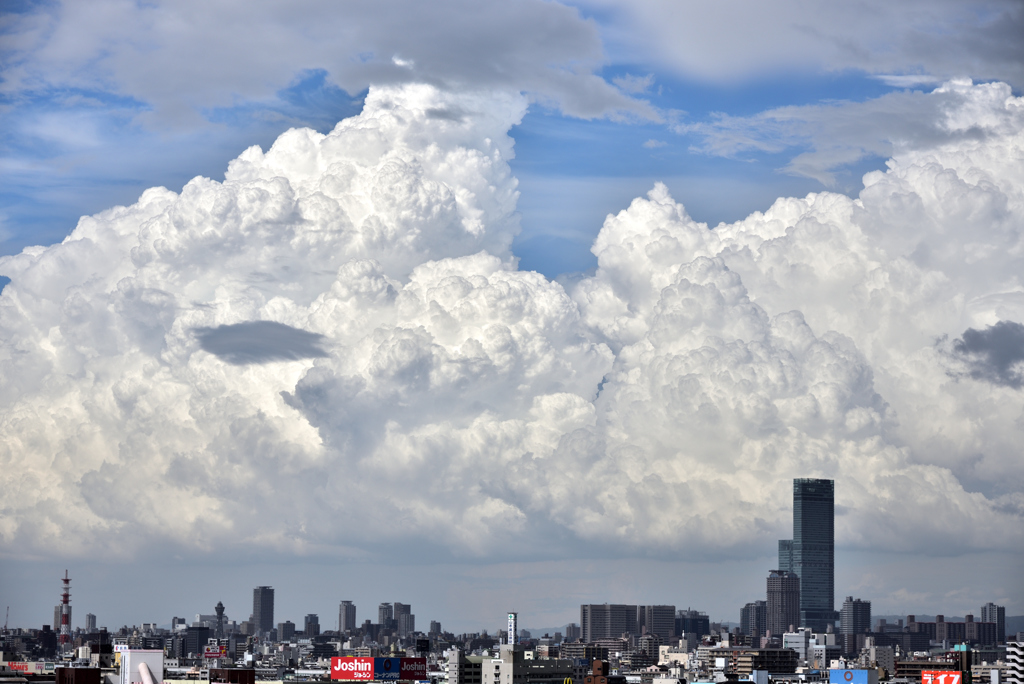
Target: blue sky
(731,104)
(79,152)
(74,146)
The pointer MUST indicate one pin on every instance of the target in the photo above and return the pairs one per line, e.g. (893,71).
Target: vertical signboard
(352,669)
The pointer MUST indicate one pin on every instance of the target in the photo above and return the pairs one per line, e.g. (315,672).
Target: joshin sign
(414,668)
(352,669)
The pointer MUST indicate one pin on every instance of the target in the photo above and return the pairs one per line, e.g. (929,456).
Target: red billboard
(941,677)
(352,669)
(414,668)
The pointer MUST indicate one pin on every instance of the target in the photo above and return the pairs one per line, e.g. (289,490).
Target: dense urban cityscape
(793,634)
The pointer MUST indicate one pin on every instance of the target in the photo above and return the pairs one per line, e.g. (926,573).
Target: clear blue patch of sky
(574,172)
(49,181)
(310,100)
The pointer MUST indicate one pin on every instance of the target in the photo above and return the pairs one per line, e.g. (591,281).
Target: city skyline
(518,305)
(812,550)
(596,622)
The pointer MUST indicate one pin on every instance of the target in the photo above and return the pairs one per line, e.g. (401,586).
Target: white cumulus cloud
(333,351)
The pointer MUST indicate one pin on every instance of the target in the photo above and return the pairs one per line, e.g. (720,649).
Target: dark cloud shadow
(994,354)
(259,342)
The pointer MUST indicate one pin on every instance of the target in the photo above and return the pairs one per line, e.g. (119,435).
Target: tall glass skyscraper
(811,553)
(263,609)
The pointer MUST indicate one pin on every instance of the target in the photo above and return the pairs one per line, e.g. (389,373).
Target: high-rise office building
(812,551)
(692,622)
(606,621)
(405,621)
(990,612)
(285,630)
(660,620)
(754,620)
(854,619)
(263,609)
(90,622)
(786,555)
(572,632)
(783,602)
(346,616)
(435,628)
(311,625)
(855,616)
(386,616)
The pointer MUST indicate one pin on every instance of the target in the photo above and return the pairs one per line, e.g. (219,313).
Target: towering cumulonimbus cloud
(339,332)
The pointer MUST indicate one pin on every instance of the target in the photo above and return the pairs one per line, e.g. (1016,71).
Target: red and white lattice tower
(65,613)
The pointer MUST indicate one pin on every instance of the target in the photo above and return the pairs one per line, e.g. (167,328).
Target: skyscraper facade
(606,621)
(660,620)
(346,616)
(263,609)
(855,616)
(405,621)
(990,612)
(754,620)
(783,601)
(786,555)
(854,619)
(692,622)
(386,616)
(812,555)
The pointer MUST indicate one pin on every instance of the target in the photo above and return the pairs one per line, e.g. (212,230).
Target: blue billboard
(390,669)
(852,676)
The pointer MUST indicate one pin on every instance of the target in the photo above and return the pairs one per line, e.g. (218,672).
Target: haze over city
(491,306)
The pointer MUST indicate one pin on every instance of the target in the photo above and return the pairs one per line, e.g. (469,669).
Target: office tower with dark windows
(90,622)
(786,555)
(346,617)
(606,621)
(812,551)
(692,622)
(405,621)
(754,620)
(990,612)
(285,630)
(263,609)
(660,620)
(311,625)
(854,619)
(783,602)
(386,616)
